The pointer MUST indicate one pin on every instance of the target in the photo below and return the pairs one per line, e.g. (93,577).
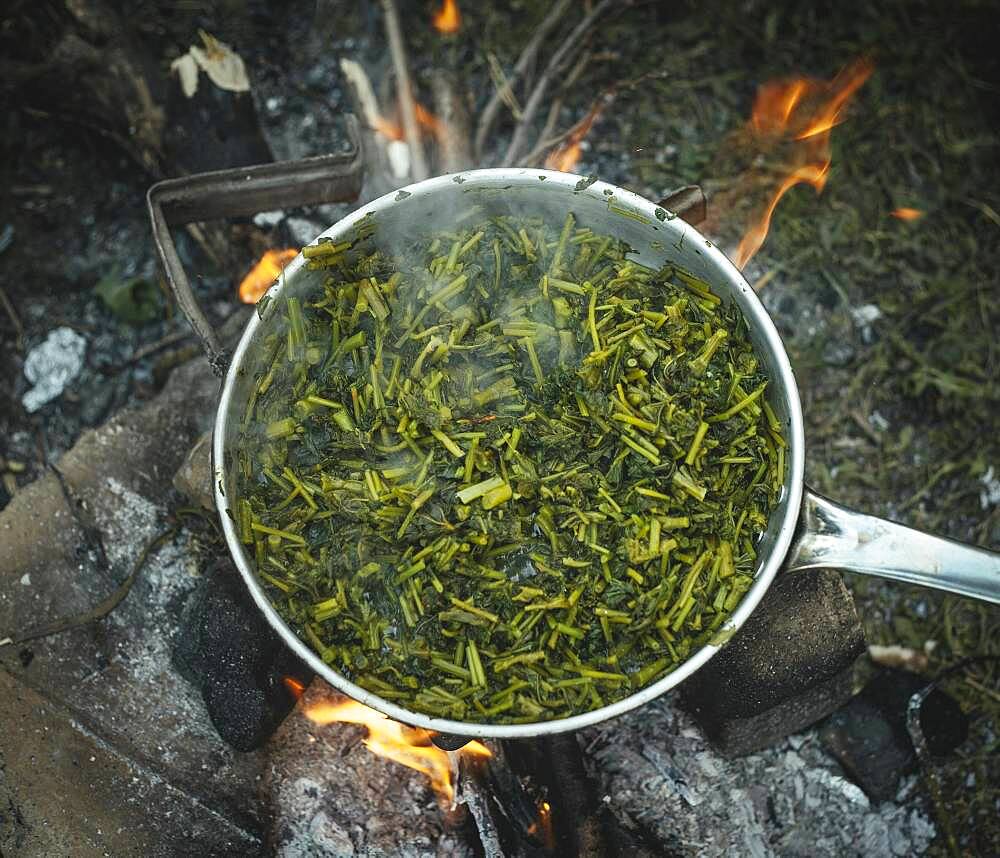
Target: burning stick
(524,62)
(567,155)
(404,91)
(385,154)
(548,138)
(568,48)
(264,273)
(408,746)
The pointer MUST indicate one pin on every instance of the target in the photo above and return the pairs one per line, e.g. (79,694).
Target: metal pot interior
(657,237)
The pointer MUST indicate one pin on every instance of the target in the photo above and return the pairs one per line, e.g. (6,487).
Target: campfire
(264,273)
(793,120)
(409,747)
(139,648)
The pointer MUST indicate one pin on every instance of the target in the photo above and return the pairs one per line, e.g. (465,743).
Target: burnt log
(534,799)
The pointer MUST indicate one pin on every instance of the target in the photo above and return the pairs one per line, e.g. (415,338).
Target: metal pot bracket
(244,191)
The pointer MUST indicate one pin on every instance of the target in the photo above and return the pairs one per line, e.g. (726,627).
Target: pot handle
(832,536)
(244,191)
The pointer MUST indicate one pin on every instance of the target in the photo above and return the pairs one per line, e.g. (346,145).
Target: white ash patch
(789,800)
(128,525)
(268,219)
(146,622)
(51,365)
(303,230)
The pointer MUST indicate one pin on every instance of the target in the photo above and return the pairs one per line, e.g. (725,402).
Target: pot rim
(769,565)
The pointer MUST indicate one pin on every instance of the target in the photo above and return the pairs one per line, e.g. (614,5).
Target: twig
(14,318)
(380,171)
(572,44)
(546,141)
(453,130)
(504,89)
(209,239)
(150,349)
(548,138)
(134,152)
(407,109)
(99,611)
(489,114)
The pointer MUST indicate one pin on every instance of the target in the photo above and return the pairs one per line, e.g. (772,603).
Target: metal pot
(805,530)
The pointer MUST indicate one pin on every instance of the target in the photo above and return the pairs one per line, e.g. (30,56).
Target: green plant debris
(507,474)
(132,299)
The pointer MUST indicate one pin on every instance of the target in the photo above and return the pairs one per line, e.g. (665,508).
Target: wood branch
(579,129)
(452,131)
(504,795)
(504,814)
(566,51)
(404,90)
(524,61)
(582,826)
(381,174)
(548,138)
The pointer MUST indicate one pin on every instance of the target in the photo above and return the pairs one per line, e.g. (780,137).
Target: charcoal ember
(227,650)
(869,736)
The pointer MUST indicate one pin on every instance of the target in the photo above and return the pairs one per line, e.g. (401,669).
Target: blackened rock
(874,754)
(227,650)
(787,668)
(869,736)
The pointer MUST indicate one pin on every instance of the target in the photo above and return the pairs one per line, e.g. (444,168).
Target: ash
(656,767)
(333,798)
(51,365)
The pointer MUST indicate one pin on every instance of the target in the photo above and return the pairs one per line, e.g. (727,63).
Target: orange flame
(566,156)
(542,827)
(905,213)
(428,121)
(389,130)
(393,129)
(799,116)
(293,685)
(264,273)
(409,746)
(447,19)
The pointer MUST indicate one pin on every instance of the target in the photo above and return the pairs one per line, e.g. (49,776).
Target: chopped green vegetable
(506,474)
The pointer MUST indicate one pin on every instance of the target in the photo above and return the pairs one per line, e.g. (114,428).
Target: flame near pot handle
(832,536)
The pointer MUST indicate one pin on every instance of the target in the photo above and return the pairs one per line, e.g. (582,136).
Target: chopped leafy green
(509,474)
